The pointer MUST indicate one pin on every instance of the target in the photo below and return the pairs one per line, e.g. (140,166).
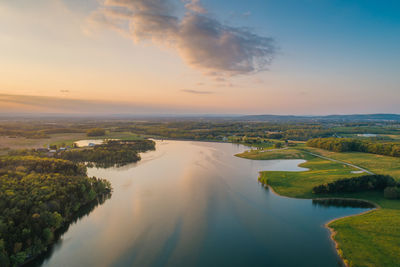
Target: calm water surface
(195,204)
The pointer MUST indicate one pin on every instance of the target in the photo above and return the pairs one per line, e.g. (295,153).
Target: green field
(375,163)
(371,239)
(273,154)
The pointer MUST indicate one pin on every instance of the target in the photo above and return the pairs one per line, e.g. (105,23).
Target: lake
(196,204)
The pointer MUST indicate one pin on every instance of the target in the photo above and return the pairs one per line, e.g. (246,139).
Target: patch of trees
(356,145)
(278,145)
(112,153)
(96,132)
(39,196)
(392,192)
(357,184)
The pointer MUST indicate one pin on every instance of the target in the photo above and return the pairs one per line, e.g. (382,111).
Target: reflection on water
(84,211)
(195,204)
(342,202)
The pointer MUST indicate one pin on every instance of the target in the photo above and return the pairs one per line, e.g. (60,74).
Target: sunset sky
(205,56)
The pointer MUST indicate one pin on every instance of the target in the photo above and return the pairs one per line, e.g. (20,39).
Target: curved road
(342,162)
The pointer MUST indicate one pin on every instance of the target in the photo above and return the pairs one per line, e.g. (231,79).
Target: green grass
(371,239)
(375,163)
(273,154)
(300,184)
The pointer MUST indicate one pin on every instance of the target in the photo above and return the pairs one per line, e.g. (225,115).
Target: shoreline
(84,210)
(333,232)
(326,225)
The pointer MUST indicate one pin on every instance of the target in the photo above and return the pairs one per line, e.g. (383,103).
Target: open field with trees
(27,143)
(262,134)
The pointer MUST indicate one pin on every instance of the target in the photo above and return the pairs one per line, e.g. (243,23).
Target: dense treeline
(356,145)
(357,184)
(28,164)
(38,196)
(112,153)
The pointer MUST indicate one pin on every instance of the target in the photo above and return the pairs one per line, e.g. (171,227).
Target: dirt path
(342,162)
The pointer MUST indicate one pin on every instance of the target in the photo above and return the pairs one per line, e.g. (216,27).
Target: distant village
(50,151)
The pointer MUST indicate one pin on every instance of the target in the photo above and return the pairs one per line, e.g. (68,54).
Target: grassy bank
(371,239)
(287,153)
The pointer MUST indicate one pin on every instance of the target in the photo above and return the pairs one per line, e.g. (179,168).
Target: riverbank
(84,210)
(332,231)
(368,239)
(211,215)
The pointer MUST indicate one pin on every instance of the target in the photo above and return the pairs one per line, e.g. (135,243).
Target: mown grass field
(371,239)
(273,154)
(375,163)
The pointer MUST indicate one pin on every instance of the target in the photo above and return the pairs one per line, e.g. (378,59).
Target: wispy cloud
(201,40)
(197,92)
(44,104)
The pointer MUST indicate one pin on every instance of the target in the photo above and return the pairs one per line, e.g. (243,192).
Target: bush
(392,192)
(278,145)
(96,132)
(357,184)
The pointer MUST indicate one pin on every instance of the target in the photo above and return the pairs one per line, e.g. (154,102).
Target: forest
(39,196)
(356,184)
(112,153)
(356,145)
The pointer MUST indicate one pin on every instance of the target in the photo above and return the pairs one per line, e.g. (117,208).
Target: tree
(278,145)
(392,192)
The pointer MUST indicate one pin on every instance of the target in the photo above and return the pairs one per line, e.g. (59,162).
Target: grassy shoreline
(367,239)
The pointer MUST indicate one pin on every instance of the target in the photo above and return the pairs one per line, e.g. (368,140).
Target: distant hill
(204,117)
(342,118)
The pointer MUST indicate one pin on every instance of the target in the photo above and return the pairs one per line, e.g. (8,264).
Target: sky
(303,57)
